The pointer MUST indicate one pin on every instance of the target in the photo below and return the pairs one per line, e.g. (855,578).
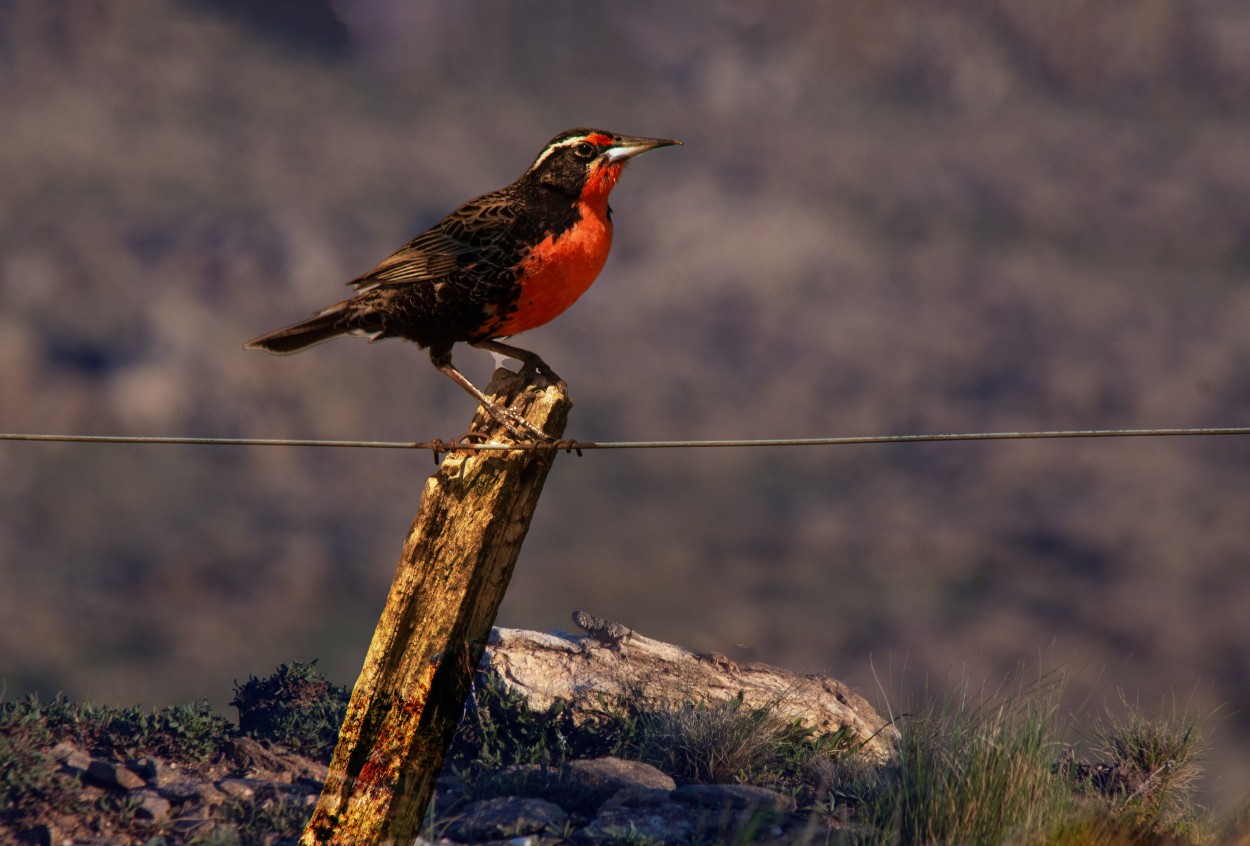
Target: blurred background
(890,216)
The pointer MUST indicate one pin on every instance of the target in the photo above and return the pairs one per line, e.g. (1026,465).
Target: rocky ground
(262,794)
(252,794)
(538,760)
(520,769)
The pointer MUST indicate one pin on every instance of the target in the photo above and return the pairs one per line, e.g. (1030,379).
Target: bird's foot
(550,375)
(528,360)
(516,425)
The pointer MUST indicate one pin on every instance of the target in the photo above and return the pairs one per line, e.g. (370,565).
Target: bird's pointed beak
(629,147)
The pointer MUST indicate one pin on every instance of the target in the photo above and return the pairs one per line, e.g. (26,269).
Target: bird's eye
(584,150)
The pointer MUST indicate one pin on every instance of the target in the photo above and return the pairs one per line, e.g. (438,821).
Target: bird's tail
(331,323)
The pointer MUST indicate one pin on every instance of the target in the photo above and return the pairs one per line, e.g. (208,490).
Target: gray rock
(607,632)
(155,771)
(546,668)
(511,815)
(238,788)
(596,780)
(145,767)
(114,775)
(663,823)
(698,813)
(197,825)
(73,759)
(188,790)
(734,796)
(312,773)
(637,797)
(151,805)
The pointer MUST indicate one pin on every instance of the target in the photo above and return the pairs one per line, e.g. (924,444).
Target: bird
(503,263)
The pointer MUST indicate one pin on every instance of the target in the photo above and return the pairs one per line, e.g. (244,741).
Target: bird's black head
(578,160)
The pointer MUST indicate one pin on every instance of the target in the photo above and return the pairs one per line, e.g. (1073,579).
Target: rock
(44,834)
(660,823)
(275,764)
(612,774)
(712,813)
(549,667)
(77,763)
(155,771)
(253,788)
(74,760)
(734,796)
(606,632)
(248,754)
(195,827)
(508,816)
(151,805)
(589,783)
(450,792)
(110,774)
(309,772)
(188,790)
(637,798)
(144,767)
(238,788)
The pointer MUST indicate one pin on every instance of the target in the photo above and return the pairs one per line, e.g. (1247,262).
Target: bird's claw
(518,427)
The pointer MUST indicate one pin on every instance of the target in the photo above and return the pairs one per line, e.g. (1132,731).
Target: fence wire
(473,442)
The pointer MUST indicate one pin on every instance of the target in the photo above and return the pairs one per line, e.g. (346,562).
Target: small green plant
(261,823)
(185,733)
(499,730)
(562,831)
(629,835)
(295,706)
(192,733)
(28,778)
(122,808)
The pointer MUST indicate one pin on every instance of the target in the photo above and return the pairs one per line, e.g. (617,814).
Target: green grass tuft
(730,742)
(1152,772)
(993,770)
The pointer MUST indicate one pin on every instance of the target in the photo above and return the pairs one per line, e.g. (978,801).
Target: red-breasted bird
(508,261)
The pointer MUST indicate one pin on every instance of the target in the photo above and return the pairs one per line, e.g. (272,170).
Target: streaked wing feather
(438,251)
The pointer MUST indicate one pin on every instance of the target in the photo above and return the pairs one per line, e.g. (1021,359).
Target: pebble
(151,805)
(113,775)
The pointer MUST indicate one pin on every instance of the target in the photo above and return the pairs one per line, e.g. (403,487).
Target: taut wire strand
(464,443)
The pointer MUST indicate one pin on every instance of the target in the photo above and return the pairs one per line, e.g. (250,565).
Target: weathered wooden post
(455,566)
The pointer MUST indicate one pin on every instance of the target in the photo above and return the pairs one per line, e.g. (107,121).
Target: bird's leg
(504,416)
(526,357)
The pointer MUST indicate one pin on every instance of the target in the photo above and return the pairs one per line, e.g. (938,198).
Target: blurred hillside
(890,217)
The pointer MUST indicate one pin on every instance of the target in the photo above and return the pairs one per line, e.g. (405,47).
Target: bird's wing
(462,238)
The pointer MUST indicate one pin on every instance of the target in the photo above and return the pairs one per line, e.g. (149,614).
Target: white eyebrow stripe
(542,157)
(568,142)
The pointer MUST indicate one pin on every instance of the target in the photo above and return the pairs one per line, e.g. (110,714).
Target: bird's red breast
(559,269)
